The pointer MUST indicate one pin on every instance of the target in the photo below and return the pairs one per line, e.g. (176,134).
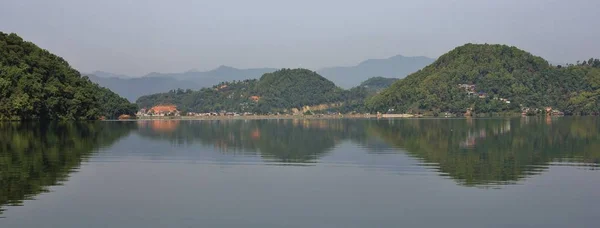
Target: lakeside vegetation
(35,84)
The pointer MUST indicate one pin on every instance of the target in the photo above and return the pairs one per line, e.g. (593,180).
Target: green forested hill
(377,84)
(294,88)
(273,92)
(35,84)
(495,72)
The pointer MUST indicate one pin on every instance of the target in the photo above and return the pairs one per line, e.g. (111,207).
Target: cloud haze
(137,37)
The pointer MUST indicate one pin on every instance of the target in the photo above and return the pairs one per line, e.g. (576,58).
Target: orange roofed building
(163,110)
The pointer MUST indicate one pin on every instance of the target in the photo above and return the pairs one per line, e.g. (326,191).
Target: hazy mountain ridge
(134,87)
(394,67)
(345,77)
(219,74)
(104,74)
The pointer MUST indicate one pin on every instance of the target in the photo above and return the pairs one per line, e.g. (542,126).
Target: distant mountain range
(133,88)
(345,77)
(104,74)
(394,67)
(220,74)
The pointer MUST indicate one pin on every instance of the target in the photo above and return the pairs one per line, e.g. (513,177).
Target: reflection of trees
(498,151)
(291,140)
(472,151)
(35,156)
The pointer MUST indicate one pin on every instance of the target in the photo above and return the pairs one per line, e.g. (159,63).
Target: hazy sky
(137,37)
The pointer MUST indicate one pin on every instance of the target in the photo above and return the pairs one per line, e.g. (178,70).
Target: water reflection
(284,141)
(474,152)
(495,151)
(34,156)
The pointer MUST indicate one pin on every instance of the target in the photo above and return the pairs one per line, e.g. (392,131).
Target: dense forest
(279,91)
(35,84)
(493,78)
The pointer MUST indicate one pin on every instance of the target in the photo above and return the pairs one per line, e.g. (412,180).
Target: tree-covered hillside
(492,78)
(35,84)
(294,88)
(378,83)
(282,90)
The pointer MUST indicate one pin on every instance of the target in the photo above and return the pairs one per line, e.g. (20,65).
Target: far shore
(347,116)
(258,117)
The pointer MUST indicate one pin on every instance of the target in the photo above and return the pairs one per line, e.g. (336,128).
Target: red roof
(164,108)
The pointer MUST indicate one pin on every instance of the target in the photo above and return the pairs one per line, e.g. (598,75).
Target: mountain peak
(499,70)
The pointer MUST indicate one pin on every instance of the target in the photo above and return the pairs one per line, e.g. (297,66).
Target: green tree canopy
(35,84)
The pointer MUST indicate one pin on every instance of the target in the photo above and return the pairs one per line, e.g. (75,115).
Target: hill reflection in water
(35,156)
(471,151)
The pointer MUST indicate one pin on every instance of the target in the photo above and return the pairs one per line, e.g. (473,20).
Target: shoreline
(353,116)
(257,117)
(274,117)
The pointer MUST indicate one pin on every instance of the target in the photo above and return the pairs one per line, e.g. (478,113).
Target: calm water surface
(523,172)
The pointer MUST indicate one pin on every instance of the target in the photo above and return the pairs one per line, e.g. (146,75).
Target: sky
(135,37)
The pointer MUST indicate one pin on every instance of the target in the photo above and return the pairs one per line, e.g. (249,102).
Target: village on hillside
(471,90)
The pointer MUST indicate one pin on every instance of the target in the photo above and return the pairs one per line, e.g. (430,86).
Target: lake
(518,172)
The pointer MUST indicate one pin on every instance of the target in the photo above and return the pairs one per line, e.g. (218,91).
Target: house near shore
(159,110)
